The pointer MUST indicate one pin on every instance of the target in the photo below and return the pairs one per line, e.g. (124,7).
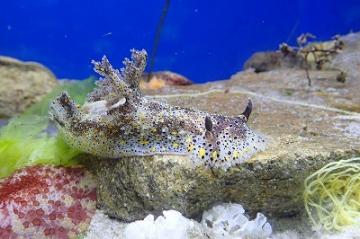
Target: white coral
(223,221)
(228,221)
(171,225)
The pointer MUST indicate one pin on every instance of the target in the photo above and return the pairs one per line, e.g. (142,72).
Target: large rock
(306,128)
(22,84)
(267,61)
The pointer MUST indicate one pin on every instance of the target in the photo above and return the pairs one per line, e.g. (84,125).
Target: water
(203,40)
(305,125)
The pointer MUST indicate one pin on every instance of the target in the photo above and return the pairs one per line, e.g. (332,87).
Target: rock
(161,79)
(44,202)
(306,128)
(313,55)
(263,61)
(102,226)
(267,61)
(22,84)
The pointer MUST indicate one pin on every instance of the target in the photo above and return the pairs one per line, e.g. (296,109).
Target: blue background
(204,40)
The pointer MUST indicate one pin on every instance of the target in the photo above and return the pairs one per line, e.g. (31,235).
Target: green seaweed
(25,141)
(332,195)
(77,89)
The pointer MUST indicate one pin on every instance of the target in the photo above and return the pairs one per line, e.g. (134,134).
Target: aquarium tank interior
(179,119)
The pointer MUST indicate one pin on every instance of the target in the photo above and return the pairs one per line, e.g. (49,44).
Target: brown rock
(22,84)
(267,61)
(160,79)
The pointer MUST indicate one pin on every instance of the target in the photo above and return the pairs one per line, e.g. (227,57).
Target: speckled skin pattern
(118,121)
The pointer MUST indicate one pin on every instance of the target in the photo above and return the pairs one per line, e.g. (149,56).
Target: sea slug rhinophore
(118,121)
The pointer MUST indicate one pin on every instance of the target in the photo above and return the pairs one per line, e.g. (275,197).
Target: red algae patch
(46,202)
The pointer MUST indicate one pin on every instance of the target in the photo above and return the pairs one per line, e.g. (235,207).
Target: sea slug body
(118,121)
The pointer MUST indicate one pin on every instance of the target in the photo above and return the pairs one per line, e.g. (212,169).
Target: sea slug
(118,121)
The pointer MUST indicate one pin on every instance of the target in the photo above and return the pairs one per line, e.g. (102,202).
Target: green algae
(26,141)
(77,89)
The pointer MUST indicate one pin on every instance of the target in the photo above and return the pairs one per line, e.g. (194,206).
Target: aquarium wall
(203,40)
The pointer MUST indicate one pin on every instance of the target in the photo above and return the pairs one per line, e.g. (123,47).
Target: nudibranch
(118,121)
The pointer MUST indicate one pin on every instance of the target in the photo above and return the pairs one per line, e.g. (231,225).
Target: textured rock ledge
(133,188)
(307,127)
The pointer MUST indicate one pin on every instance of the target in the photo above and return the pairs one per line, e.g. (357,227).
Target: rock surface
(266,61)
(307,55)
(22,84)
(306,128)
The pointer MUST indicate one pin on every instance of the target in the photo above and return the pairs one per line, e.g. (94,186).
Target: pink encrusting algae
(46,202)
